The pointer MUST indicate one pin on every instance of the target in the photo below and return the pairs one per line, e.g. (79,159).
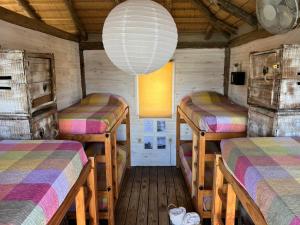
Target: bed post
(177,137)
(128,140)
(109,179)
(217,189)
(92,186)
(230,205)
(201,171)
(115,163)
(80,207)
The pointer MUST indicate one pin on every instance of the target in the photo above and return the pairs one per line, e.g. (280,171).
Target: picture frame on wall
(161,126)
(148,142)
(161,143)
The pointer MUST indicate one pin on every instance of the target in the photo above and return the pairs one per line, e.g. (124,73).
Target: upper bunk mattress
(96,114)
(213,112)
(269,170)
(35,178)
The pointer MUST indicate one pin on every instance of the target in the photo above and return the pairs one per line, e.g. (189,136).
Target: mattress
(95,114)
(268,169)
(101,175)
(213,112)
(35,178)
(185,155)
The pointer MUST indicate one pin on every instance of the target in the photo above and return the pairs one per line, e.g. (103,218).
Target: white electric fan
(277,16)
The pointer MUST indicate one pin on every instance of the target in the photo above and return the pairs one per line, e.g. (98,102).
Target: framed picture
(148,142)
(161,142)
(161,126)
(148,126)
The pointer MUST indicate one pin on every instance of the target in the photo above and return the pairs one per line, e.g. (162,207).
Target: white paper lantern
(139,36)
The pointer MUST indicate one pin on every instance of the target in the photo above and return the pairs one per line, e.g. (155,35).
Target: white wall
(241,53)
(195,69)
(66,53)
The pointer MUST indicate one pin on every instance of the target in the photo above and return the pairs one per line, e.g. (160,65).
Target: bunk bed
(211,117)
(263,174)
(94,122)
(39,181)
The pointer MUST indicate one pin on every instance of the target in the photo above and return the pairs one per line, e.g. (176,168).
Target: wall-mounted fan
(277,16)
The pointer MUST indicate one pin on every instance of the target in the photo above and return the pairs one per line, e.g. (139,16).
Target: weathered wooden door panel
(259,124)
(38,70)
(15,128)
(274,80)
(45,126)
(32,70)
(41,126)
(13,98)
(263,122)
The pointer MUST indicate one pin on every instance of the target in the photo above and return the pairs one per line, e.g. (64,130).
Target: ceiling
(77,16)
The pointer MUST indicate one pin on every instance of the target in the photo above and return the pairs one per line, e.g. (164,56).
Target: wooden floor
(146,194)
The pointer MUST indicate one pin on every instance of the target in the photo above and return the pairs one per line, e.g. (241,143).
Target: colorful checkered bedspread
(269,170)
(96,114)
(35,177)
(213,112)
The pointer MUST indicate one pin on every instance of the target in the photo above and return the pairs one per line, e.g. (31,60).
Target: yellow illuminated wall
(156,93)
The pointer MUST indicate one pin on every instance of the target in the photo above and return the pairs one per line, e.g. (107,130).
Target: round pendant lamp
(139,36)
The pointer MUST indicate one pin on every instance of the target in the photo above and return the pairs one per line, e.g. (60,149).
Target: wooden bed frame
(110,159)
(226,194)
(199,158)
(88,177)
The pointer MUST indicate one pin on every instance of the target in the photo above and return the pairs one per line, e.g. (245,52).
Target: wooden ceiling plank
(34,24)
(169,5)
(28,9)
(76,20)
(248,37)
(237,12)
(209,32)
(218,24)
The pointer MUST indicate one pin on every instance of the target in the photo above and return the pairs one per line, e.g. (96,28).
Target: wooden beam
(169,5)
(82,73)
(209,32)
(203,44)
(218,24)
(33,24)
(226,71)
(28,9)
(248,37)
(75,18)
(237,12)
(181,45)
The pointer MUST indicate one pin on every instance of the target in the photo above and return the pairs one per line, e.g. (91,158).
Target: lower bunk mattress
(35,178)
(185,155)
(269,170)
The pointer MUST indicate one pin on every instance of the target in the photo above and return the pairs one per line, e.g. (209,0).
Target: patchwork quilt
(96,114)
(35,178)
(269,170)
(213,112)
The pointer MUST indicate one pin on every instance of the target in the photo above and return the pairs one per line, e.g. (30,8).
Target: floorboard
(146,193)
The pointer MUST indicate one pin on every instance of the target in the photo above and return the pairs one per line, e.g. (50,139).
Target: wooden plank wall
(66,53)
(241,53)
(195,69)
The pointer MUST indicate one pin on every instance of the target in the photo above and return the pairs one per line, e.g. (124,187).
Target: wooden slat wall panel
(66,55)
(241,53)
(195,69)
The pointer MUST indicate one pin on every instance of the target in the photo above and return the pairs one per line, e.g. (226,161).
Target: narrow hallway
(146,194)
